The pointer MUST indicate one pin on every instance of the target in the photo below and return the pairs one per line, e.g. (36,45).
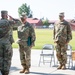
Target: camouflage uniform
(5,44)
(62,35)
(24,31)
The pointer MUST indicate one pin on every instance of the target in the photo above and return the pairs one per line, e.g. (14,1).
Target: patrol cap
(4,12)
(23,15)
(61,14)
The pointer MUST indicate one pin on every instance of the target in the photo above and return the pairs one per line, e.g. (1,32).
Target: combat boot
(5,74)
(22,71)
(27,70)
(59,67)
(63,67)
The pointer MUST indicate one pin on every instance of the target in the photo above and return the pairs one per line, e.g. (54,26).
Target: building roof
(31,20)
(73,26)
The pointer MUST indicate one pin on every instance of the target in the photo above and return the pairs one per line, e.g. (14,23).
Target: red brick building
(35,21)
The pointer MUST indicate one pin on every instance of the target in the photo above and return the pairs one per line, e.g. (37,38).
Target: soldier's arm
(69,32)
(33,36)
(14,22)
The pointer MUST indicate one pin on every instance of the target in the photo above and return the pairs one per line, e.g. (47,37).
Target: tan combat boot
(27,70)
(63,67)
(59,67)
(22,71)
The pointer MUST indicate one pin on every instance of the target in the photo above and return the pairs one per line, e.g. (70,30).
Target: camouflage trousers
(61,53)
(25,55)
(5,55)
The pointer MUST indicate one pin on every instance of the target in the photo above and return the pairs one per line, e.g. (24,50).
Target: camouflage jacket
(24,31)
(62,32)
(6,29)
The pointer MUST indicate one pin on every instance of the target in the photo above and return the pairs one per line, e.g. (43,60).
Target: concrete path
(35,69)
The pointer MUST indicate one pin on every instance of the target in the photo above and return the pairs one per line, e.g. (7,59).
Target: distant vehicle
(51,26)
(44,26)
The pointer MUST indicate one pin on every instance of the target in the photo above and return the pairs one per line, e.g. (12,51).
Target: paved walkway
(35,69)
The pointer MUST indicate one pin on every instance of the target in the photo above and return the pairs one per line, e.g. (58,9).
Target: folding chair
(69,56)
(47,54)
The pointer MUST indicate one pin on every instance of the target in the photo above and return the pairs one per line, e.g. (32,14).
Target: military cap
(4,12)
(61,14)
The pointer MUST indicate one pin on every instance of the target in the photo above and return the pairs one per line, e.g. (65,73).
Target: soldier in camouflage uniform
(24,32)
(62,36)
(5,43)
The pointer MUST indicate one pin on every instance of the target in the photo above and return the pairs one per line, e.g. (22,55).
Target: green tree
(46,22)
(25,9)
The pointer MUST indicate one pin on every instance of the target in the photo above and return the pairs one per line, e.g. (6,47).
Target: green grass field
(44,36)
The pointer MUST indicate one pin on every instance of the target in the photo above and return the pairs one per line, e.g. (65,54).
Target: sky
(41,8)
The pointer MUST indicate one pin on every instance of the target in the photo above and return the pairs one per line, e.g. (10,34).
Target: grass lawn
(44,36)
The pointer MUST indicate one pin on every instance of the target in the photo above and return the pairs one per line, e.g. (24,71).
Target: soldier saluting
(6,41)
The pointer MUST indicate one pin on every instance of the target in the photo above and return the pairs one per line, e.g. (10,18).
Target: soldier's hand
(55,41)
(10,17)
(67,42)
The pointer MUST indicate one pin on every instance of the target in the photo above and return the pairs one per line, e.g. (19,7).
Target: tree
(25,9)
(46,22)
